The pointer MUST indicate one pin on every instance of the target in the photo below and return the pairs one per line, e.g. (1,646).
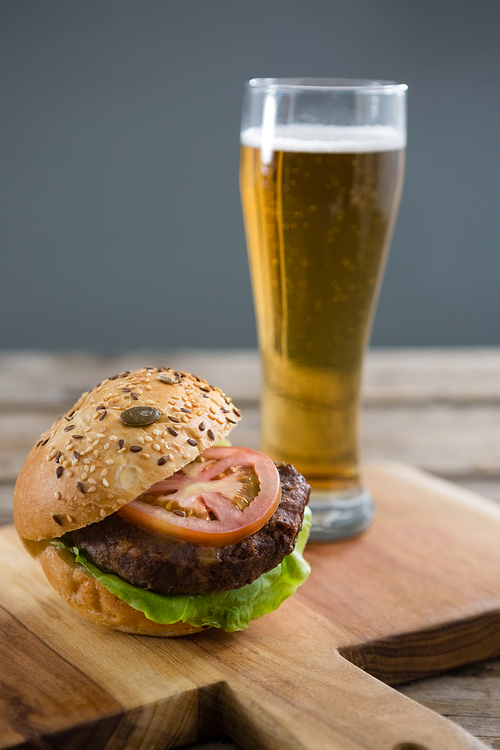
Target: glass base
(340,515)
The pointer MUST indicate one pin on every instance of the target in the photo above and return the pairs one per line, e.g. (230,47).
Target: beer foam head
(323,139)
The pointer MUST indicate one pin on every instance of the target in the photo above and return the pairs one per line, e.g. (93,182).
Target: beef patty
(155,561)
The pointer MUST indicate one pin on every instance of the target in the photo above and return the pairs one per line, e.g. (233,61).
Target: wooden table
(438,409)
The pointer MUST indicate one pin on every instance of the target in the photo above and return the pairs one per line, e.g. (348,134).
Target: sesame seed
(192,441)
(106,446)
(96,453)
(59,471)
(92,480)
(57,495)
(69,472)
(121,443)
(76,455)
(100,407)
(105,482)
(92,468)
(140,439)
(135,448)
(151,402)
(121,501)
(174,419)
(53,452)
(149,387)
(102,513)
(145,456)
(172,431)
(210,434)
(102,415)
(109,495)
(148,438)
(155,447)
(110,462)
(165,378)
(126,390)
(80,486)
(121,450)
(104,472)
(134,396)
(156,432)
(76,437)
(59,454)
(91,489)
(113,438)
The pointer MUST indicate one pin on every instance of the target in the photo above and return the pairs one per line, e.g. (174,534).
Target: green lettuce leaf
(228,610)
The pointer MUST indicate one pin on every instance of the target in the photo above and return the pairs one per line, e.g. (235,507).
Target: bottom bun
(91,600)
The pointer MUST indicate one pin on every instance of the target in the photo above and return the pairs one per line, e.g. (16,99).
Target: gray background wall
(121,219)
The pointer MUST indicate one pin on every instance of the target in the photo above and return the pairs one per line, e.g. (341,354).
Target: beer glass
(321,174)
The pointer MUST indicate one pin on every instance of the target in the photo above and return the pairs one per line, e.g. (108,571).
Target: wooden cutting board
(418,593)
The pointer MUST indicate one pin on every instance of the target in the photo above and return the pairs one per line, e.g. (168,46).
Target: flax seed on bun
(91,462)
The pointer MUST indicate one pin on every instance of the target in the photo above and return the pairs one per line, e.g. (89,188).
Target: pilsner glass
(321,174)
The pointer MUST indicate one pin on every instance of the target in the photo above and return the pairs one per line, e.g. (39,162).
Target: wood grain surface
(383,608)
(438,409)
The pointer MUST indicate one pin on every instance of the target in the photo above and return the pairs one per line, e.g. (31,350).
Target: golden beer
(319,213)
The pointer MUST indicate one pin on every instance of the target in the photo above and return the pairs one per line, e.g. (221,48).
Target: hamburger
(145,519)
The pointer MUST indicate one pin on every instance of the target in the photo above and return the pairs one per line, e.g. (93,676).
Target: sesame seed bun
(89,463)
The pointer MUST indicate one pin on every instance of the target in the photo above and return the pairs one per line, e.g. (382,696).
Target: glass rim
(325,84)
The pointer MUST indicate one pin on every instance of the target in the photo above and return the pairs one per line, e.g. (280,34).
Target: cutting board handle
(339,708)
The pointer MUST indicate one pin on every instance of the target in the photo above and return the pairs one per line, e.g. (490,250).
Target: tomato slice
(220,498)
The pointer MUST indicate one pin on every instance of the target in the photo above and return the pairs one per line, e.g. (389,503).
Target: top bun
(90,463)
